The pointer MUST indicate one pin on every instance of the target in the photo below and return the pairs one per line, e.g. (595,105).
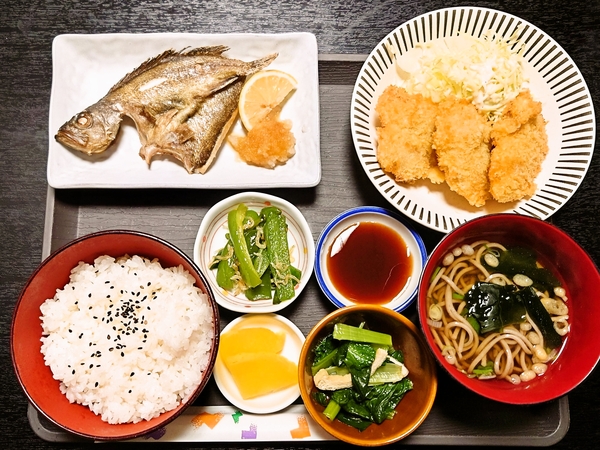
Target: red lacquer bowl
(580,351)
(53,273)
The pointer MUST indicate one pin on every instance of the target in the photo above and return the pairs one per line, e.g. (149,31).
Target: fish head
(90,131)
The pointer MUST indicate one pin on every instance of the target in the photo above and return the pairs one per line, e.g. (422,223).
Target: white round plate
(211,238)
(411,238)
(554,79)
(291,350)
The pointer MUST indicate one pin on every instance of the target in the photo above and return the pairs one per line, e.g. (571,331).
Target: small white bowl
(211,238)
(411,238)
(276,401)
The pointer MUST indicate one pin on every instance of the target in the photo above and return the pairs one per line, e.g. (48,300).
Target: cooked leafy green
(370,398)
(382,399)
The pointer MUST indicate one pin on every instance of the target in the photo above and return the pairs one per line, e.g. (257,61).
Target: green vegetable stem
(344,332)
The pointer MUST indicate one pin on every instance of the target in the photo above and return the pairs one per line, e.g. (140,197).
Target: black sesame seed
(73,373)
(70,331)
(130,391)
(91,365)
(96,384)
(111,349)
(108,336)
(106,282)
(140,348)
(122,353)
(90,295)
(132,374)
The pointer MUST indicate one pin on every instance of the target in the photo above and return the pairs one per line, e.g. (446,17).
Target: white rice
(127,338)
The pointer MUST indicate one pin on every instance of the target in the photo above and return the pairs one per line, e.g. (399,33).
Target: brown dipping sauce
(369,262)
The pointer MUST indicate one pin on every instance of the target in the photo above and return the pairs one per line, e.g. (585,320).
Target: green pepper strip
(235,222)
(275,230)
(262,291)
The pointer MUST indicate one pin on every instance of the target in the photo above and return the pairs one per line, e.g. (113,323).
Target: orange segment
(262,92)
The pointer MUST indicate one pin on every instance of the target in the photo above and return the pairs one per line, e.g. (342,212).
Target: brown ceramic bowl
(53,273)
(416,404)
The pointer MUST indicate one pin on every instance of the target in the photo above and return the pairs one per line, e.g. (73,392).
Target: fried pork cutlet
(461,141)
(520,147)
(405,135)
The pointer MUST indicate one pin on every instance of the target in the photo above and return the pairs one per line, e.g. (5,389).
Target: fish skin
(197,143)
(160,96)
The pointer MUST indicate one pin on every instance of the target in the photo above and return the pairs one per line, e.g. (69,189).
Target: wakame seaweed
(494,306)
(519,260)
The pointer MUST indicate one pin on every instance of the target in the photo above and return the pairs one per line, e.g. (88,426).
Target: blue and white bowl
(411,238)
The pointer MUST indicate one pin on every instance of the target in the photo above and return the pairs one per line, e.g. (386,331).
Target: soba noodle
(516,353)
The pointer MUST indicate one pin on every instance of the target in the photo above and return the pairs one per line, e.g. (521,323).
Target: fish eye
(83,120)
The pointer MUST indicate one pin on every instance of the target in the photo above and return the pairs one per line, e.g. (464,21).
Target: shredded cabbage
(487,71)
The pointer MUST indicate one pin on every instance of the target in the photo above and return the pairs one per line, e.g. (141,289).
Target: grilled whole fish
(174,99)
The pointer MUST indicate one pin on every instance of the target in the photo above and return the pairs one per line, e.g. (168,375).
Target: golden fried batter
(461,140)
(520,146)
(405,135)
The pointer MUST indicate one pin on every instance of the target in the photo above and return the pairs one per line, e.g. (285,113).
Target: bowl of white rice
(114,335)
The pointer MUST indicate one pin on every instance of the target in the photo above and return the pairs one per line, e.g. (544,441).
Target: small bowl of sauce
(368,255)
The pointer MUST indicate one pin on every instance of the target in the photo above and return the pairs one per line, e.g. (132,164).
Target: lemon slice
(262,92)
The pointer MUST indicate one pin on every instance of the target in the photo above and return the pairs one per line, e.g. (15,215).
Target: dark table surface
(340,26)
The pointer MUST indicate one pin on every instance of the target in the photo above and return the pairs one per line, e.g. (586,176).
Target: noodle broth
(477,325)
(579,275)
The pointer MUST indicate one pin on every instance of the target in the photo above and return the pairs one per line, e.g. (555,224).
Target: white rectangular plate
(85,67)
